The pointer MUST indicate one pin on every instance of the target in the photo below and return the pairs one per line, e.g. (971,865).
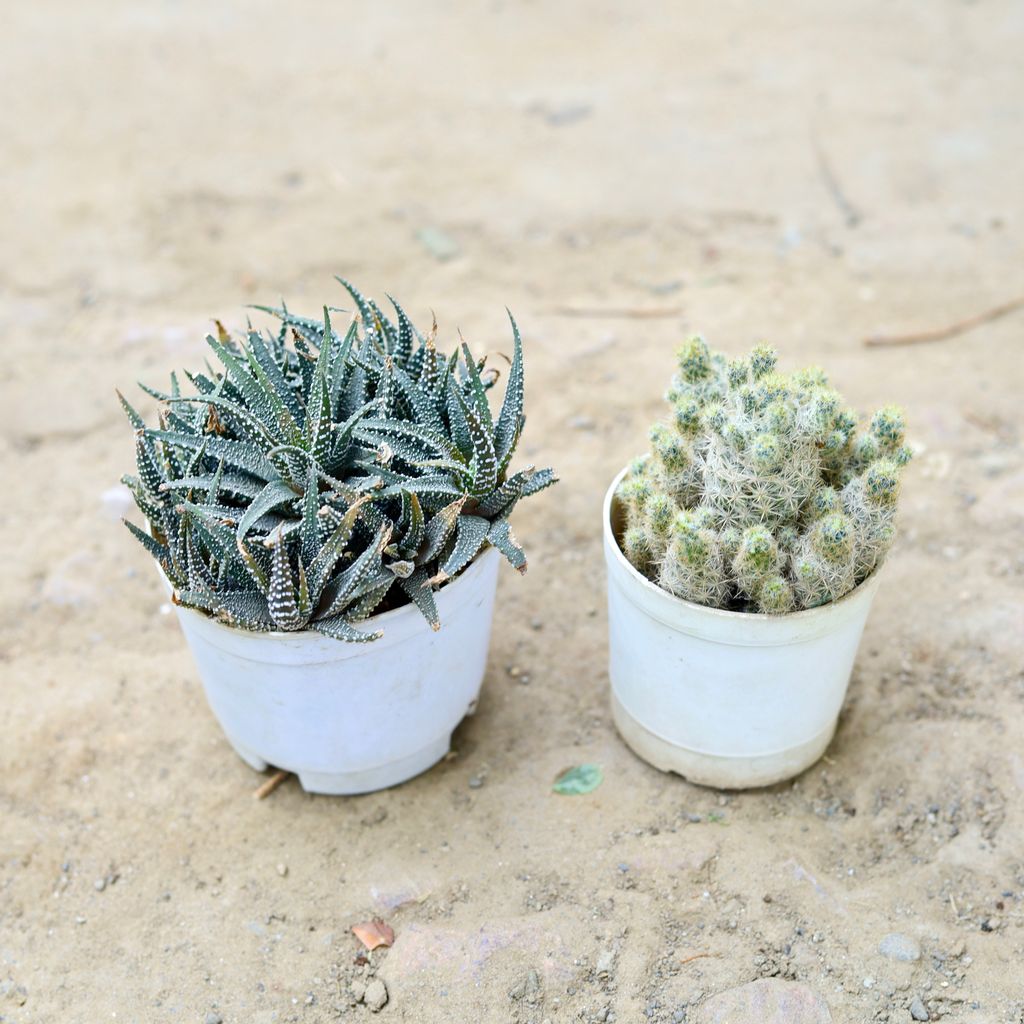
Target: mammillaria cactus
(320,477)
(759,494)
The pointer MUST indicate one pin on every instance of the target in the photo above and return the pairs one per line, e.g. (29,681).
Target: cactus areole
(760,493)
(317,476)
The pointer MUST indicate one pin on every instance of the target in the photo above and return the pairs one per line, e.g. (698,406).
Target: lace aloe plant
(759,493)
(319,476)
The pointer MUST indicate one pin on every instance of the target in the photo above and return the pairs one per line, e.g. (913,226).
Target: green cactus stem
(760,493)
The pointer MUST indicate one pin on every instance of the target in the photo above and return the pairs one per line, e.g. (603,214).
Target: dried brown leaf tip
(374,933)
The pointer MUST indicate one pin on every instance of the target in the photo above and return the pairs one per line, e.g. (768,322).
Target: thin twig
(618,313)
(850,212)
(697,956)
(956,909)
(271,784)
(950,331)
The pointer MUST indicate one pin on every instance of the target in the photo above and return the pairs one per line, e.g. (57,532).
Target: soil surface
(803,173)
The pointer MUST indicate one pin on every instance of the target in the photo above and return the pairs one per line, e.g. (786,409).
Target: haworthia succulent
(317,468)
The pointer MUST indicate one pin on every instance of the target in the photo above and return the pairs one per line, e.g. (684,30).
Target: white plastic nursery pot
(351,718)
(727,699)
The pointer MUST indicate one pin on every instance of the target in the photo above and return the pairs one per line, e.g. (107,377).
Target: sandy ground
(808,174)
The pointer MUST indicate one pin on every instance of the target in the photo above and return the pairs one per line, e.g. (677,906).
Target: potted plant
(319,505)
(743,555)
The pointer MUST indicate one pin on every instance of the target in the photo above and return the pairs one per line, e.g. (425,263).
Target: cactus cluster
(760,493)
(319,476)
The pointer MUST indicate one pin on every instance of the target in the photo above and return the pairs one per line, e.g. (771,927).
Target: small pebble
(917,1009)
(100,884)
(376,995)
(897,946)
(605,962)
(475,782)
(358,990)
(213,1017)
(582,423)
(282,870)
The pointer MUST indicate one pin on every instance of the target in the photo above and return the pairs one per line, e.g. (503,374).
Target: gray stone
(358,990)
(531,990)
(213,1017)
(917,1010)
(376,995)
(605,962)
(766,1001)
(897,946)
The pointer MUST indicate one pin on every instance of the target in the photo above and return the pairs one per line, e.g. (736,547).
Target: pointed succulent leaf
(470,536)
(319,438)
(417,588)
(146,505)
(369,597)
(423,407)
(485,461)
(538,481)
(431,490)
(309,330)
(260,575)
(283,600)
(332,549)
(501,536)
(275,495)
(439,529)
(477,390)
(263,409)
(338,628)
(510,419)
(275,375)
(375,429)
(294,463)
(339,593)
(340,365)
(506,495)
(133,417)
(413,522)
(304,601)
(241,455)
(385,328)
(155,548)
(310,530)
(240,609)
(150,474)
(284,424)
(366,309)
(229,483)
(258,431)
(406,333)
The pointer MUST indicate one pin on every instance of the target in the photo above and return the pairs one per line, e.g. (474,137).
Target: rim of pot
(610,501)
